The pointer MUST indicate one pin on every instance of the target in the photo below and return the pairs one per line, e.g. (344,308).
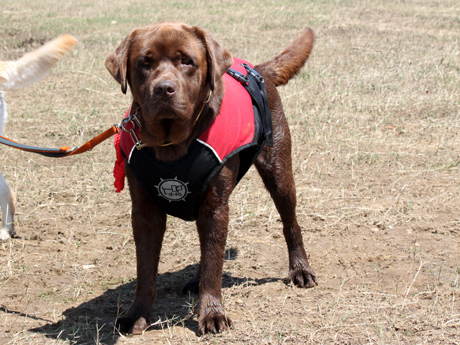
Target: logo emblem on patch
(173,190)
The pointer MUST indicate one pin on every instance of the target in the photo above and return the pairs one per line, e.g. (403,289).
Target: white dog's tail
(34,65)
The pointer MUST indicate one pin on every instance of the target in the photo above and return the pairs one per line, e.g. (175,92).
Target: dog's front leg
(212,228)
(212,224)
(149,225)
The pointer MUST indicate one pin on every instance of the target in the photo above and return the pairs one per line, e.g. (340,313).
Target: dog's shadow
(93,321)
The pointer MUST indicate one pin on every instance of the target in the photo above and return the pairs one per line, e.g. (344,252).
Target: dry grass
(375,123)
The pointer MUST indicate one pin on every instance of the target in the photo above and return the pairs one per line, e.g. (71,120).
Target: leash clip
(132,131)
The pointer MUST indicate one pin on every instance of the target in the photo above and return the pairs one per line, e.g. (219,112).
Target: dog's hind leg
(7,205)
(275,167)
(280,184)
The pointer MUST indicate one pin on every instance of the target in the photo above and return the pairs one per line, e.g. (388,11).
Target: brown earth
(375,123)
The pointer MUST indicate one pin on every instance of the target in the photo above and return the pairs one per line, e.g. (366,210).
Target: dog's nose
(165,88)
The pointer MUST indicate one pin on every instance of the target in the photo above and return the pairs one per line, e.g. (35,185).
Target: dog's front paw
(212,318)
(132,325)
(302,275)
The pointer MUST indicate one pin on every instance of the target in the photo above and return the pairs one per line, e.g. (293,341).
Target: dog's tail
(283,67)
(34,65)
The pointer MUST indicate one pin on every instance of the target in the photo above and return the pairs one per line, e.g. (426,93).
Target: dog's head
(171,68)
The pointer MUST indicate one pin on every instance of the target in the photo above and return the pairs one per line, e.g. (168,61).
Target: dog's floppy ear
(117,62)
(218,59)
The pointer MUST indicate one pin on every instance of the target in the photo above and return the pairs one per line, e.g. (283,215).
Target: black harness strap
(255,85)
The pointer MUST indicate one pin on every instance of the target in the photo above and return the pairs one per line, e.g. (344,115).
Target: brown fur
(170,68)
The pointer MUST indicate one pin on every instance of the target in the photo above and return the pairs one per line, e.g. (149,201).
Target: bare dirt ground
(375,123)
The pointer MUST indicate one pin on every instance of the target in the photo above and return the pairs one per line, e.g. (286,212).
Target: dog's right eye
(185,60)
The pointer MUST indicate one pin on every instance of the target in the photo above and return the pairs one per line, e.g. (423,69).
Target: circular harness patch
(173,190)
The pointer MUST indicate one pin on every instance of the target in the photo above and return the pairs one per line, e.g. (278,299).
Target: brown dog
(175,75)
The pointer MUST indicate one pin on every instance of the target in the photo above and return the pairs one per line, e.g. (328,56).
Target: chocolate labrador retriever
(179,79)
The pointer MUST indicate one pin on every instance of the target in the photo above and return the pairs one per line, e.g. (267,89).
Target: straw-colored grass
(375,123)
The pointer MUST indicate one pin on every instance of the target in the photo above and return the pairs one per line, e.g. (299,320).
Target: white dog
(17,75)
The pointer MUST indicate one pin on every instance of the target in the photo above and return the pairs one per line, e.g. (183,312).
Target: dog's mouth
(164,132)
(167,133)
(167,138)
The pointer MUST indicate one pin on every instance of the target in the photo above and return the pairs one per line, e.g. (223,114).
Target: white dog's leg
(7,204)
(3,113)
(6,196)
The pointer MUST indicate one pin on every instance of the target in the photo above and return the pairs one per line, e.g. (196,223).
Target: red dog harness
(177,187)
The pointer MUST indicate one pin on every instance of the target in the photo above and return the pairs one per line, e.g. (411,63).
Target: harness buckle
(238,76)
(254,73)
